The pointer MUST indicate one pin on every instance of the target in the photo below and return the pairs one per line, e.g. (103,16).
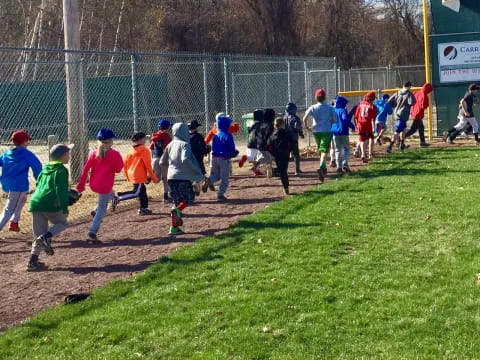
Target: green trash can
(247,121)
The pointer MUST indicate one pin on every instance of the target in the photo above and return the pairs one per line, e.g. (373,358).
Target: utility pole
(74,84)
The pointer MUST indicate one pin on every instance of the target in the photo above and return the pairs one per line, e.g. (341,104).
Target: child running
(49,203)
(159,141)
(383,110)
(417,112)
(101,167)
(183,170)
(340,131)
(138,171)
(223,150)
(254,156)
(323,117)
(294,127)
(365,117)
(15,164)
(199,149)
(280,144)
(402,101)
(465,116)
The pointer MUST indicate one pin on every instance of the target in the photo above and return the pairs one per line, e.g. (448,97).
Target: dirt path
(127,248)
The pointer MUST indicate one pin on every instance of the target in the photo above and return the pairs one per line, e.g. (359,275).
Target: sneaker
(364,160)
(389,149)
(221,198)
(324,169)
(257,173)
(286,192)
(404,147)
(424,145)
(340,171)
(114,203)
(175,231)
(450,141)
(356,153)
(445,136)
(176,214)
(378,142)
(321,177)
(347,169)
(14,227)
(242,161)
(92,238)
(197,189)
(143,212)
(44,243)
(333,164)
(205,185)
(35,266)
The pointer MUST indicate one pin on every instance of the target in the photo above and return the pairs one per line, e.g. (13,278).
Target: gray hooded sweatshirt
(402,101)
(178,155)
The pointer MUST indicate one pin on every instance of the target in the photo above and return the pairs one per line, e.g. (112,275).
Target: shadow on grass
(113,268)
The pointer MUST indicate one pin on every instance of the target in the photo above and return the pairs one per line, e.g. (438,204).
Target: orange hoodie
(233,129)
(138,165)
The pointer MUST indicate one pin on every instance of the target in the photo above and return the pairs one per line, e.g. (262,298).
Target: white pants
(463,121)
(13,208)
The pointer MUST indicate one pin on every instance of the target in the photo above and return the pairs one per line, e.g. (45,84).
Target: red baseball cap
(320,92)
(371,95)
(19,137)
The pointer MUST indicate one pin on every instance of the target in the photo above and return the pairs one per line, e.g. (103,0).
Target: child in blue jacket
(384,109)
(223,150)
(340,131)
(15,164)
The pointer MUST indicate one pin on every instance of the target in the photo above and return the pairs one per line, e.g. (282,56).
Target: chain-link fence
(60,96)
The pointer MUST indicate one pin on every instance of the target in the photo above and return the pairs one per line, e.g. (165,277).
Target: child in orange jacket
(138,171)
(233,129)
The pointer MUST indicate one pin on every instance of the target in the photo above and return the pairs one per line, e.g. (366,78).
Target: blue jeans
(100,212)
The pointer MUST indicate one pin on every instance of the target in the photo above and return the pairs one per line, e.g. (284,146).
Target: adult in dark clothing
(465,116)
(279,145)
(293,125)
(197,143)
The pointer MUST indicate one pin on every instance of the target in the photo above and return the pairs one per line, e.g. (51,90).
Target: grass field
(382,264)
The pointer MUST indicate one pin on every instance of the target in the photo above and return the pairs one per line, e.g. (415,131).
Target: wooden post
(74,85)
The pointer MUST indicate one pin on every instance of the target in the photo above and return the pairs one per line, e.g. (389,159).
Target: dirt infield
(128,248)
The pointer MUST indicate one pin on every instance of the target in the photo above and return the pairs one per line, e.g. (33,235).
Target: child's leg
(338,150)
(421,132)
(224,176)
(40,227)
(282,166)
(163,176)
(59,221)
(142,197)
(370,147)
(102,206)
(215,170)
(127,195)
(413,129)
(364,149)
(296,155)
(13,208)
(332,152)
(346,154)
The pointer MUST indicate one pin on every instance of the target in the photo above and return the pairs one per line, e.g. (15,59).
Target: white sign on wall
(459,62)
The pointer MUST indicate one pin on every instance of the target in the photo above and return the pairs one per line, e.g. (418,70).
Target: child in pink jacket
(102,165)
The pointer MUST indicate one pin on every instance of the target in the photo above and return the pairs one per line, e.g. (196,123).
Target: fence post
(289,80)
(389,83)
(205,95)
(335,75)
(225,74)
(305,69)
(134,92)
(350,78)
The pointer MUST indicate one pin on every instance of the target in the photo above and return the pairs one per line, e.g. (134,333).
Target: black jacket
(280,143)
(199,148)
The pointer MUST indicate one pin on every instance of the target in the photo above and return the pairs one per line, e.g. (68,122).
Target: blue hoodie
(384,109)
(344,121)
(15,164)
(223,145)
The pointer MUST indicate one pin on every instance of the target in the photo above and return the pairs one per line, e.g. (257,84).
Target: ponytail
(103,147)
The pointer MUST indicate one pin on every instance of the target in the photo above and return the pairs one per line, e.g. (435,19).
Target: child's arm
(389,108)
(231,147)
(189,160)
(147,161)
(348,120)
(210,135)
(35,164)
(333,115)
(61,189)
(125,166)
(86,169)
(118,163)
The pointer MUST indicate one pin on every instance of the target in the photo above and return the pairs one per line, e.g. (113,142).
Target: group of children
(176,157)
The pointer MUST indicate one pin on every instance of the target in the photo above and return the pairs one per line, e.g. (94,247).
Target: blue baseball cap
(164,124)
(385,97)
(105,134)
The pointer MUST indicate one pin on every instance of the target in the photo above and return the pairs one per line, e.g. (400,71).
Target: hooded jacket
(138,165)
(384,109)
(51,193)
(293,125)
(179,157)
(266,129)
(199,148)
(233,129)
(223,145)
(280,143)
(102,171)
(15,164)
(344,122)
(160,140)
(422,102)
(402,101)
(254,130)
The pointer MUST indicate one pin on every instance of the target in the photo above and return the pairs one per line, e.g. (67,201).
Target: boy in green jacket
(49,203)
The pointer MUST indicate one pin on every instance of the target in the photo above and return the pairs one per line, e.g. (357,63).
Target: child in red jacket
(159,141)
(365,117)
(417,112)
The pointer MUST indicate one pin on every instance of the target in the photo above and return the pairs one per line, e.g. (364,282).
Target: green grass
(378,265)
